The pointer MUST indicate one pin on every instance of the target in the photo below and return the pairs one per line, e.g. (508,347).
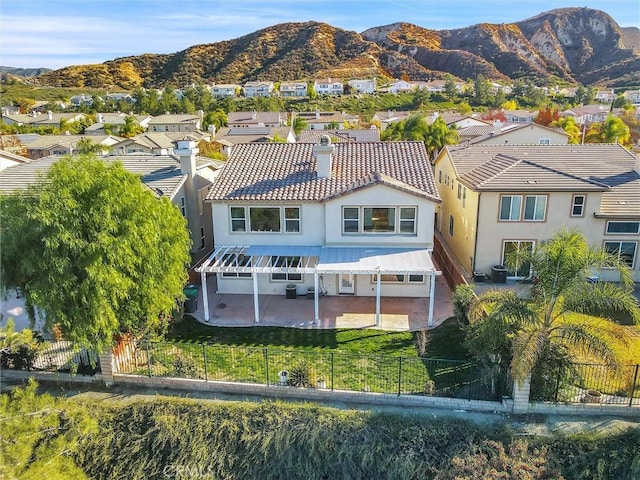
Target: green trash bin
(191,302)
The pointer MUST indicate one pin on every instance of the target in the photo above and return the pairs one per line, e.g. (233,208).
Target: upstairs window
(535,207)
(577,205)
(183,207)
(350,219)
(379,219)
(625,228)
(510,208)
(292,219)
(238,219)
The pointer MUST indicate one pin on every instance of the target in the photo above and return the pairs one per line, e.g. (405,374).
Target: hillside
(573,44)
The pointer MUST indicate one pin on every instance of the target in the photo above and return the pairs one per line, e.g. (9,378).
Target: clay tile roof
(287,172)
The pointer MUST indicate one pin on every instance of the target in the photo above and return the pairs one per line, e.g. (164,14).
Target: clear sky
(58,33)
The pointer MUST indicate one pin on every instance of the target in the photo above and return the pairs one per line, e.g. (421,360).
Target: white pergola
(318,261)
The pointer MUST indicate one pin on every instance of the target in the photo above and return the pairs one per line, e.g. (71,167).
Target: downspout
(475,243)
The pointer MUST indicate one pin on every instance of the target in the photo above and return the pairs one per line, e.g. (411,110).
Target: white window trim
(573,205)
(397,220)
(247,220)
(620,242)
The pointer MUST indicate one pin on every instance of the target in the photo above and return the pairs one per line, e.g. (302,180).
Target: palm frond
(595,336)
(595,298)
(528,347)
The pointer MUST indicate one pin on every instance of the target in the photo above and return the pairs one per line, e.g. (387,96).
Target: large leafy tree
(563,318)
(612,130)
(95,250)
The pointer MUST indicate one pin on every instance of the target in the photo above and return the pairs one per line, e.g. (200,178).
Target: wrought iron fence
(589,383)
(57,355)
(318,369)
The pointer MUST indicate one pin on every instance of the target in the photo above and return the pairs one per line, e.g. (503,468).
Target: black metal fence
(317,369)
(59,356)
(588,383)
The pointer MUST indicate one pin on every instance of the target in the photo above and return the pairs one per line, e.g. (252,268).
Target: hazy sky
(58,33)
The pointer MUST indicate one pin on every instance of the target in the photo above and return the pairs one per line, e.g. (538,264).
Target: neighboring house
(328,86)
(257,89)
(225,90)
(495,198)
(82,99)
(293,89)
(147,143)
(401,86)
(57,145)
(183,178)
(119,97)
(389,117)
(605,95)
(175,123)
(340,136)
(8,159)
(519,116)
(113,121)
(632,96)
(256,119)
(321,120)
(346,219)
(48,119)
(588,114)
(366,85)
(519,134)
(227,137)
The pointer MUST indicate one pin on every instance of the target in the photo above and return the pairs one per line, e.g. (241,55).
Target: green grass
(347,359)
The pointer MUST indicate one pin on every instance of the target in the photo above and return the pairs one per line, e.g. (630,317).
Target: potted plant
(321,382)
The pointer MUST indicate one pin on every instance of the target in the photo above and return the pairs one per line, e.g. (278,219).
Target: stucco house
(519,134)
(258,89)
(363,85)
(225,90)
(293,89)
(175,123)
(256,119)
(340,219)
(495,198)
(322,120)
(58,145)
(328,86)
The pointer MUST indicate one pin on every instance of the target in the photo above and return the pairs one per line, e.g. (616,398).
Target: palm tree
(435,135)
(563,318)
(299,124)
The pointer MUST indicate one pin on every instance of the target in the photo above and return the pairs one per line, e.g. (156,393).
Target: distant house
(258,89)
(48,119)
(385,118)
(519,134)
(175,123)
(322,120)
(401,86)
(113,121)
(293,89)
(146,143)
(119,97)
(256,119)
(605,95)
(225,90)
(228,137)
(587,114)
(340,135)
(328,86)
(82,99)
(58,145)
(367,85)
(519,116)
(496,198)
(632,96)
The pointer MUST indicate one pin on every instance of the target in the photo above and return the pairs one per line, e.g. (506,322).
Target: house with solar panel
(496,198)
(347,219)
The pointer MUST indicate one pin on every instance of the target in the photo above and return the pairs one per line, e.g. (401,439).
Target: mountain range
(576,45)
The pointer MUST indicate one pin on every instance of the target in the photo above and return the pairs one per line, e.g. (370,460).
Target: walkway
(346,311)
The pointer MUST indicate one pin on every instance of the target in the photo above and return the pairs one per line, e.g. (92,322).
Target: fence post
(204,356)
(332,371)
(266,363)
(633,385)
(105,360)
(399,375)
(148,358)
(521,392)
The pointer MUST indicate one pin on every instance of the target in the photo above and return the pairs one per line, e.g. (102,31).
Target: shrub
(462,298)
(302,375)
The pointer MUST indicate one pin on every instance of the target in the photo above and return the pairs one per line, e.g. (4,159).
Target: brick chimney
(323,152)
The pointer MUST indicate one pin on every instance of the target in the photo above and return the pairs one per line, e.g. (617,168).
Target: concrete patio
(345,311)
